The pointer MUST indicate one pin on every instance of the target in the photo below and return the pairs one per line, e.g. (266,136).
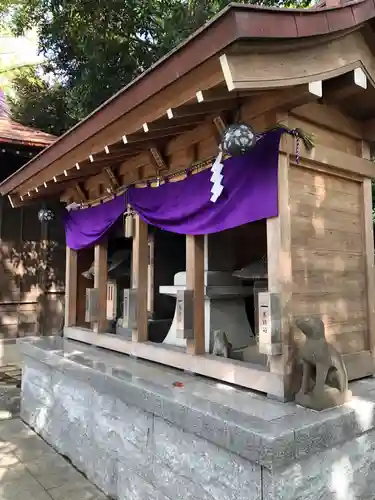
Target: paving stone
(23,487)
(52,470)
(32,470)
(79,490)
(30,448)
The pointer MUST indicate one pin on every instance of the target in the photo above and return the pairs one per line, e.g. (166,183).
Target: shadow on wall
(328,260)
(32,274)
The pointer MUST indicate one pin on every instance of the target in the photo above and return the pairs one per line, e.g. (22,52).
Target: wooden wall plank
(328,256)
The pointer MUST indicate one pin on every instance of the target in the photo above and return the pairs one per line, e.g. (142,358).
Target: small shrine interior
(289,235)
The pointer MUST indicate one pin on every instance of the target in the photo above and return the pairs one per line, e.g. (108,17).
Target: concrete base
(9,352)
(137,434)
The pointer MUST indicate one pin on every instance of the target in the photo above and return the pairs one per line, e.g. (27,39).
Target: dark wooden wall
(32,264)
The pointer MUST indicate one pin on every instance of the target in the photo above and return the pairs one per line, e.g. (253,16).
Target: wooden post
(150,274)
(280,271)
(71,287)
(195,282)
(368,242)
(369,256)
(100,282)
(139,278)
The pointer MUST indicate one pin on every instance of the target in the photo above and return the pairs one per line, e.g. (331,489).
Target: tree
(38,103)
(94,48)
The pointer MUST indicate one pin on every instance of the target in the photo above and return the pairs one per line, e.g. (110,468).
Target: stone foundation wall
(129,453)
(136,440)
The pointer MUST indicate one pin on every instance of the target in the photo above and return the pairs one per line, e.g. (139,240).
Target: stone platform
(136,434)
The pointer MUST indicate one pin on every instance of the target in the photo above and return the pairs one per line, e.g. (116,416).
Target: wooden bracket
(220,125)
(158,160)
(80,192)
(114,183)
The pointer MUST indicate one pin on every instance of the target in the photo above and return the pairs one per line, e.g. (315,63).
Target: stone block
(116,423)
(102,469)
(37,373)
(222,474)
(344,472)
(36,407)
(132,487)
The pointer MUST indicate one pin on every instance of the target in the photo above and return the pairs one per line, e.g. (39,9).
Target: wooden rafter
(210,107)
(140,137)
(166,124)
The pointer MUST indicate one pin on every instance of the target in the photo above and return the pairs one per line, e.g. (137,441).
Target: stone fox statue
(321,361)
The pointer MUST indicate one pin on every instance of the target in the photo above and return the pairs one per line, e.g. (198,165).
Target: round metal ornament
(238,139)
(45,215)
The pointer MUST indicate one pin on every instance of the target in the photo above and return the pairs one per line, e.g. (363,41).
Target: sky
(14,52)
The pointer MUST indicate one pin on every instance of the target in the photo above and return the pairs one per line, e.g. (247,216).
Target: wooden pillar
(195,282)
(139,278)
(368,243)
(100,282)
(280,272)
(369,256)
(71,287)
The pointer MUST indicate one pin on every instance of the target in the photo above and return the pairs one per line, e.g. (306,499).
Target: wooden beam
(195,282)
(368,130)
(139,278)
(281,100)
(329,157)
(344,86)
(227,370)
(329,117)
(133,163)
(100,282)
(71,287)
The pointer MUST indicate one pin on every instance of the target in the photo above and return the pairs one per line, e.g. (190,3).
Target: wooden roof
(12,132)
(287,51)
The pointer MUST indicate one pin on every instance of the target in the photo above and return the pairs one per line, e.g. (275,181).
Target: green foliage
(39,104)
(95,47)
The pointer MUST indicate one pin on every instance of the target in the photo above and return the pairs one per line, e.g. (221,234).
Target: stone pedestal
(224,309)
(135,434)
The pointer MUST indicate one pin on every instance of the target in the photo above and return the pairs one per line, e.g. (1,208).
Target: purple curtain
(83,228)
(250,194)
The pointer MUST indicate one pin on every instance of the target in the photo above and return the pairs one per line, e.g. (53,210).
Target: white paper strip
(217,178)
